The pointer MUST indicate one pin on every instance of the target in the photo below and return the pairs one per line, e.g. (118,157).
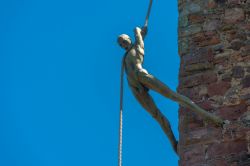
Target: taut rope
(148,13)
(121,113)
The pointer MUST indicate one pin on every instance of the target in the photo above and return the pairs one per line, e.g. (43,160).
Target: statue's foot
(176,147)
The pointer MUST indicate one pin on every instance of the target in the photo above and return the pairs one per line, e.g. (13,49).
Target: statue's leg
(147,103)
(153,83)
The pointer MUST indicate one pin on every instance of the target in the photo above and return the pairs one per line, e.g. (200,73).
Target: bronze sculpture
(140,82)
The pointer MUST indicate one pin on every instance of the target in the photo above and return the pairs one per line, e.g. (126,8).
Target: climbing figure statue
(141,82)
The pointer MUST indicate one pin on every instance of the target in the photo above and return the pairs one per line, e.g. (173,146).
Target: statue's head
(124,41)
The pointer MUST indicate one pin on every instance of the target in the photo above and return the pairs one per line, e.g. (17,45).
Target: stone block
(219,88)
(246,82)
(218,162)
(245,119)
(194,8)
(206,105)
(234,1)
(238,72)
(198,79)
(183,21)
(196,94)
(196,18)
(232,113)
(237,2)
(190,30)
(205,39)
(226,148)
(226,77)
(211,4)
(234,15)
(196,154)
(183,46)
(198,67)
(221,2)
(245,51)
(211,25)
(237,44)
(199,56)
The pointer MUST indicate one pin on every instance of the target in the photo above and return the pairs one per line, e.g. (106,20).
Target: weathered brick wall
(214,46)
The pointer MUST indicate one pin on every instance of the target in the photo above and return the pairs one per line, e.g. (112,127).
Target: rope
(148,13)
(121,114)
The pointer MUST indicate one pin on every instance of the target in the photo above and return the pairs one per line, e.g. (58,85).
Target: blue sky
(59,76)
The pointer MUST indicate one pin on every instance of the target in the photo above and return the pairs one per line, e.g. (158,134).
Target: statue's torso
(133,64)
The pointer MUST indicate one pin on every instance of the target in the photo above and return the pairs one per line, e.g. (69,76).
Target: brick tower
(214,47)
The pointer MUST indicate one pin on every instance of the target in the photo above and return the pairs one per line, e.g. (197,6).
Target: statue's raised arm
(139,37)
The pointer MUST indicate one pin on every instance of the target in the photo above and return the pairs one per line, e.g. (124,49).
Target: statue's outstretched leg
(147,102)
(153,83)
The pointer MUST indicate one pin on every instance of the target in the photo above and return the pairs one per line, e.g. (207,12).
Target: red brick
(195,122)
(204,78)
(194,18)
(199,56)
(246,82)
(234,15)
(231,35)
(237,44)
(195,154)
(235,133)
(211,4)
(225,148)
(206,105)
(238,71)
(235,2)
(218,162)
(206,38)
(203,136)
(219,88)
(245,50)
(193,93)
(232,112)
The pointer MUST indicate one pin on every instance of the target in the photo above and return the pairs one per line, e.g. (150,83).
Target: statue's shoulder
(139,49)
